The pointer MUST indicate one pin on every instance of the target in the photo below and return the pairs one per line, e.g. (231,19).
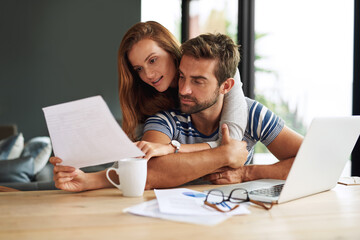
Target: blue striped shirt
(262,126)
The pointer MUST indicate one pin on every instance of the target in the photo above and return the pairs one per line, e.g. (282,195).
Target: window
(165,12)
(204,16)
(213,16)
(304,58)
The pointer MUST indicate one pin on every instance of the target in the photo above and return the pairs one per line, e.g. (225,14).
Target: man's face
(198,86)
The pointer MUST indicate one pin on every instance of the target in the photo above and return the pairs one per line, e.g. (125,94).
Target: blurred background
(297,56)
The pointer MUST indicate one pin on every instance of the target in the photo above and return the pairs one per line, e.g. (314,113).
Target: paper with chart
(151,209)
(183,205)
(189,202)
(85,133)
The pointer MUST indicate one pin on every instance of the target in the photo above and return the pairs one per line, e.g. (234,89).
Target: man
(206,70)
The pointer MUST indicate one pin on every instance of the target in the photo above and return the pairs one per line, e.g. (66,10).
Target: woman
(148,59)
(139,97)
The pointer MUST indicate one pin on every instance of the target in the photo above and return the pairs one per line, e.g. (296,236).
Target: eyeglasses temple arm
(261,204)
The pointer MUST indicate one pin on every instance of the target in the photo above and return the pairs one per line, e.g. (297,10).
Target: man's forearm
(279,170)
(176,169)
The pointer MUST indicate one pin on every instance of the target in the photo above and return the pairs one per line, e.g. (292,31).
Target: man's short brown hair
(215,46)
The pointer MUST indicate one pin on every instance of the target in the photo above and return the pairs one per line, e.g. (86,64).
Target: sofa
(24,165)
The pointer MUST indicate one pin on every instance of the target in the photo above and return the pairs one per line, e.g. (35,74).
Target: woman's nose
(149,73)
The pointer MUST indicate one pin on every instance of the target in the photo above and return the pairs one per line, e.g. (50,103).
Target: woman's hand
(68,178)
(154,149)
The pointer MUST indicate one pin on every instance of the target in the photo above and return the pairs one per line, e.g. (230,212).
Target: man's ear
(227,85)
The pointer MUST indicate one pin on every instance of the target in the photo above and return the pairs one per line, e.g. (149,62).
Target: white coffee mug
(132,174)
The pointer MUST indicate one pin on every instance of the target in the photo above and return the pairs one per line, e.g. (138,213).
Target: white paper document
(85,133)
(189,202)
(151,209)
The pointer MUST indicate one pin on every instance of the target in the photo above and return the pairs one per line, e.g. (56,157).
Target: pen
(224,204)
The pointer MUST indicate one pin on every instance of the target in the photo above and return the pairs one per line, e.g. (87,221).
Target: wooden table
(98,214)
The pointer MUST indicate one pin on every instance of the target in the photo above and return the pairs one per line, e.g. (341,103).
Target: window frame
(355,157)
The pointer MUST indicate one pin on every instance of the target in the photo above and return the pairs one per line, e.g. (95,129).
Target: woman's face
(154,65)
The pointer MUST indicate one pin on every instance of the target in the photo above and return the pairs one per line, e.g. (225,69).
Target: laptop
(317,167)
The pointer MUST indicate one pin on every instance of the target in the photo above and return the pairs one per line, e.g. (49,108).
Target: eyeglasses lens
(238,196)
(215,197)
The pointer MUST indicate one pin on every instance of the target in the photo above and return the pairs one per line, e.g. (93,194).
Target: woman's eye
(138,69)
(152,60)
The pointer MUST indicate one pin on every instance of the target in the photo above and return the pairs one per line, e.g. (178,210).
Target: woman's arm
(234,112)
(156,147)
(74,180)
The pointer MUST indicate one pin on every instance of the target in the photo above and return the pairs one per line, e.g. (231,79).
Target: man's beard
(198,107)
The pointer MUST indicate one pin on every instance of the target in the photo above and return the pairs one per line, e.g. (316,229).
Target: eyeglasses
(216,197)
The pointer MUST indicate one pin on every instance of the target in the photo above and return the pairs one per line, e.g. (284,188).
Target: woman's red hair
(137,99)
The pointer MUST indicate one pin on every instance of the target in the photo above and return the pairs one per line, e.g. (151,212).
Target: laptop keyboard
(273,191)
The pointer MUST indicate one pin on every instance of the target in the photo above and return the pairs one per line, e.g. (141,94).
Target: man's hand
(154,149)
(225,175)
(68,178)
(234,150)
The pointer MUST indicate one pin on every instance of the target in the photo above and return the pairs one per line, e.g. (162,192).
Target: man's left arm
(284,147)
